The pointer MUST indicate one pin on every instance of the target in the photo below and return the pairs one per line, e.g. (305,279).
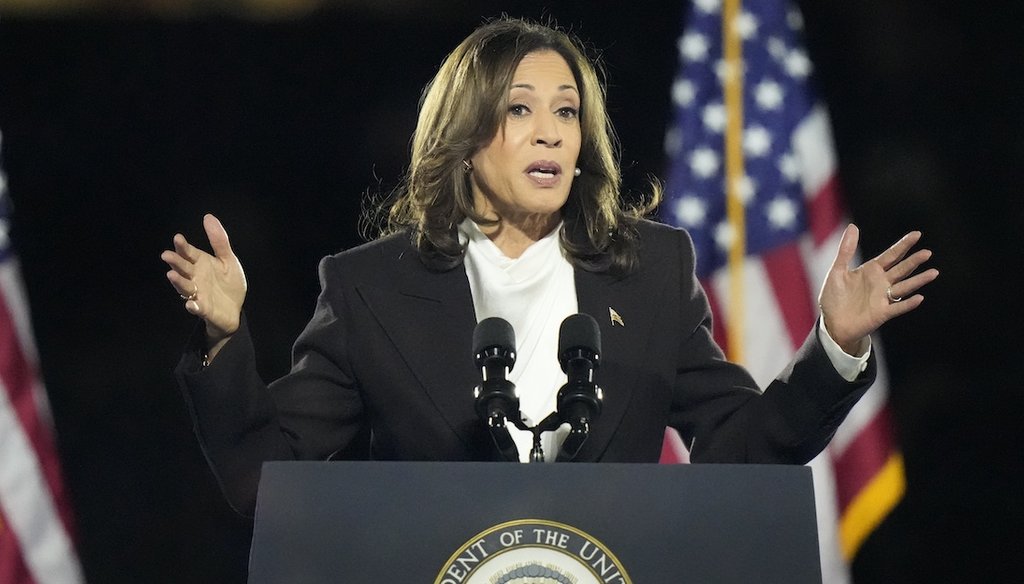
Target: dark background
(119,130)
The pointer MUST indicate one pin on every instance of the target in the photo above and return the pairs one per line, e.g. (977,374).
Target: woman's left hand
(855,302)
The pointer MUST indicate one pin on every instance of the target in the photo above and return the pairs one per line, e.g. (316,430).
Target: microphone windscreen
(579,331)
(493,332)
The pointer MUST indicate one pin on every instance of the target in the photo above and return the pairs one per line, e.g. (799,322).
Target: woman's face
(525,172)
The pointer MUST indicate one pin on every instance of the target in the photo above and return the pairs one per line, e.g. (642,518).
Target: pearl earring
(577,172)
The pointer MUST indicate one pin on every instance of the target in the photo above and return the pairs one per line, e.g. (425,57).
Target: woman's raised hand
(854,302)
(212,286)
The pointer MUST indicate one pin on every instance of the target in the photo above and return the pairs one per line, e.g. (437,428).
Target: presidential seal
(533,551)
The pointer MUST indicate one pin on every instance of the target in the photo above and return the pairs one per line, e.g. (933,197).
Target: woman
(510,209)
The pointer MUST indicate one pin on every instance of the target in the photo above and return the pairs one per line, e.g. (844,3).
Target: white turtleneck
(534,293)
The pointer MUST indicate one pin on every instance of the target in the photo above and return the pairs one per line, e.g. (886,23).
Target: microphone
(494,353)
(579,400)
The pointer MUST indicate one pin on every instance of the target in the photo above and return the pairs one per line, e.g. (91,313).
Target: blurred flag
(35,517)
(753,180)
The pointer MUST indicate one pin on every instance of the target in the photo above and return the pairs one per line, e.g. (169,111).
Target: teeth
(542,173)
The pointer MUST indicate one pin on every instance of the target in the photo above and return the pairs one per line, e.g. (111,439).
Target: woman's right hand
(212,286)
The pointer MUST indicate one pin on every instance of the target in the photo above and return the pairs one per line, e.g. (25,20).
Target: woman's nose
(545,132)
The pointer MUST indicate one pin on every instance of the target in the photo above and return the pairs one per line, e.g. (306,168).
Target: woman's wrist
(213,346)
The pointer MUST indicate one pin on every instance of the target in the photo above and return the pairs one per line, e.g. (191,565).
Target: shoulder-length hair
(462,109)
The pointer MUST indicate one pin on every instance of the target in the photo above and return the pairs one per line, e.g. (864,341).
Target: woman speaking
(511,209)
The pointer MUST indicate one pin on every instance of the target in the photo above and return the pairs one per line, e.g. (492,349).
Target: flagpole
(732,80)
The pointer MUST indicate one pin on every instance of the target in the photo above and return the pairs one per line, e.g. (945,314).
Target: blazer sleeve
(311,413)
(724,417)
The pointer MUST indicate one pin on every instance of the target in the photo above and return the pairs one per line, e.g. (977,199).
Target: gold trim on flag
(871,505)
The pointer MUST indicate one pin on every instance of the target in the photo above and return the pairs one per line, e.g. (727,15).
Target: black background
(119,131)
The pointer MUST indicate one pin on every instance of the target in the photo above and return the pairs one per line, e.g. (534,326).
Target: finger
(895,253)
(182,285)
(186,249)
(189,292)
(847,248)
(908,265)
(912,284)
(178,263)
(218,236)
(904,306)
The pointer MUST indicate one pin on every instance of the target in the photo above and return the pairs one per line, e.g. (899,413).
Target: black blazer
(384,369)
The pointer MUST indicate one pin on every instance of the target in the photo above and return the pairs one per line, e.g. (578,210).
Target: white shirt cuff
(847,366)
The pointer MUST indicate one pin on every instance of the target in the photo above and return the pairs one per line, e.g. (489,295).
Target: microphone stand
(551,422)
(500,436)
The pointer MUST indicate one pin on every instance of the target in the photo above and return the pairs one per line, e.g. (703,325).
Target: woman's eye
(568,113)
(518,109)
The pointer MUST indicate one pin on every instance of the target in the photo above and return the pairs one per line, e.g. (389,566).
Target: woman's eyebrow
(532,88)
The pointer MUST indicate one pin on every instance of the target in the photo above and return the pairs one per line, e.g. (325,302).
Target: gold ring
(191,296)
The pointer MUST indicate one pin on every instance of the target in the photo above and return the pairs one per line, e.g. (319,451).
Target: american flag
(35,517)
(753,179)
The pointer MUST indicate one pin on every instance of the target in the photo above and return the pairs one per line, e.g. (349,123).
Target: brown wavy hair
(462,109)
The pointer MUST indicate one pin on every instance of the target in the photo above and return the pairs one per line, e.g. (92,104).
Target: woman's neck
(513,237)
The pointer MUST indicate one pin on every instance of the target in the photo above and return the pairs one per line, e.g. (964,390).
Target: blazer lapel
(429,318)
(622,308)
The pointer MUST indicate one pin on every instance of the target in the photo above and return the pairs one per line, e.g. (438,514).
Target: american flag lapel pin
(616,319)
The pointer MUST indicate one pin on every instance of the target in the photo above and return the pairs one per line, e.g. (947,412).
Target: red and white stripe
(35,515)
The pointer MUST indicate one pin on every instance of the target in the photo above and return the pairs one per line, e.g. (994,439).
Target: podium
(470,523)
